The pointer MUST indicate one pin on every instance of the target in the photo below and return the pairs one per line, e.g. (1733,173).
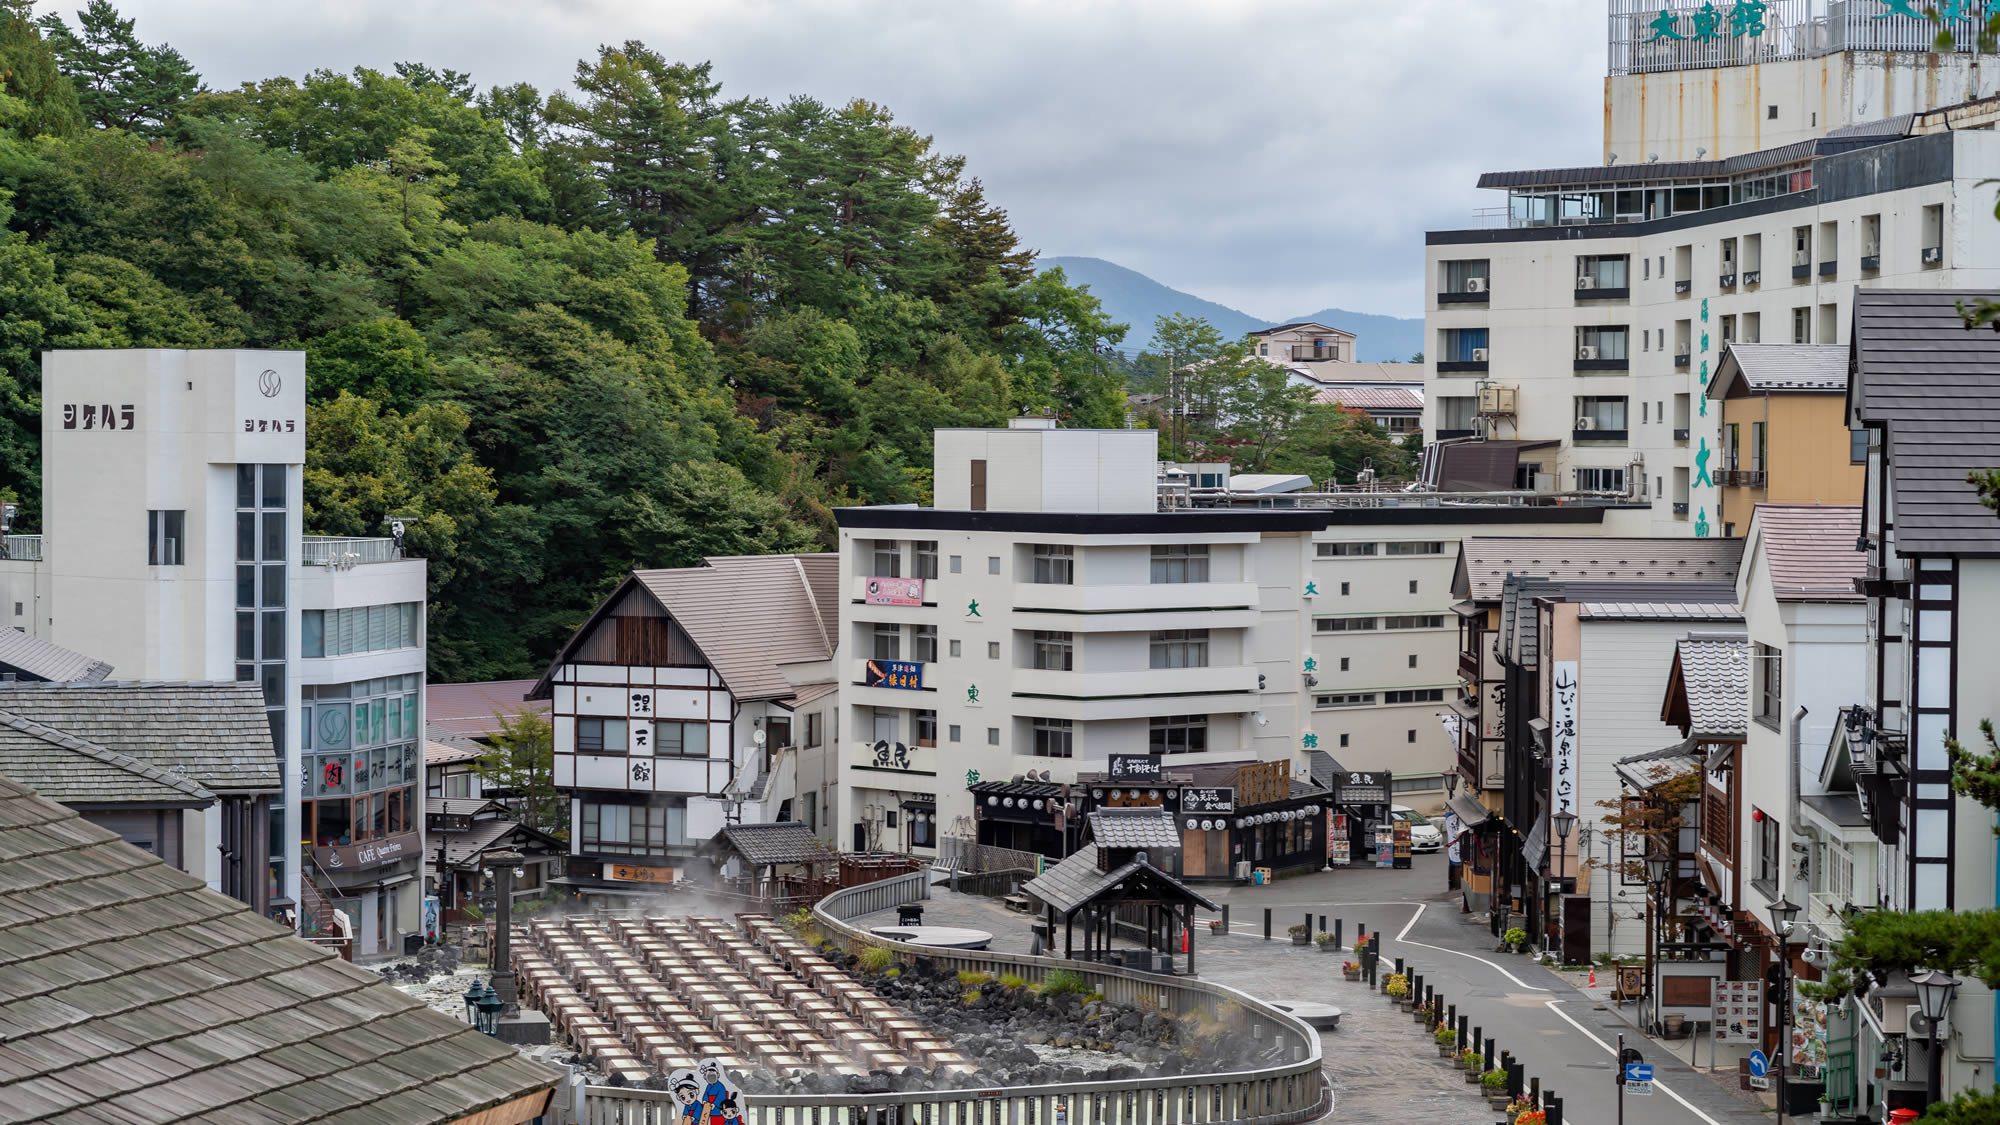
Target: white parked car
(1424,836)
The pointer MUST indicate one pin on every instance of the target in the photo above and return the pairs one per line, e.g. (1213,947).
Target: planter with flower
(1397,986)
(1300,934)
(1494,1083)
(1514,940)
(1447,1042)
(1325,942)
(1532,1117)
(1218,927)
(1520,1106)
(1351,970)
(1471,1062)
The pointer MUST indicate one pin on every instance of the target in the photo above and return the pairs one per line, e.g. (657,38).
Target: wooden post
(1190,936)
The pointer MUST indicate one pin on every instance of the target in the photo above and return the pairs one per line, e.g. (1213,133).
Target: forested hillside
(626,325)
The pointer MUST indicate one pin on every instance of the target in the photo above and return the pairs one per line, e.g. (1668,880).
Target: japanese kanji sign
(1562,740)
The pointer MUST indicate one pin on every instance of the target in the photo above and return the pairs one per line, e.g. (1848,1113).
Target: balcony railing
(1753,277)
(1740,478)
(1680,433)
(341,552)
(1726,281)
(1308,352)
(1463,297)
(26,548)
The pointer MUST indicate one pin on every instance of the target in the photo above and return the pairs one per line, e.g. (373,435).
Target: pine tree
(120,82)
(35,99)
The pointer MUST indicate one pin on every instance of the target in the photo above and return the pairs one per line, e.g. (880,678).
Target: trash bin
(412,944)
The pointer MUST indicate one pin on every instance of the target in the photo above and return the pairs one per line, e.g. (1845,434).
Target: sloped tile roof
(1370,398)
(1809,550)
(787,841)
(1134,828)
(1485,561)
(130,992)
(1076,881)
(38,657)
(63,767)
(447,753)
(1934,387)
(1748,369)
(485,835)
(1724,610)
(1713,673)
(214,734)
(473,710)
(462,806)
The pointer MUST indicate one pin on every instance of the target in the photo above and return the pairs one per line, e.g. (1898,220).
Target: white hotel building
(172,550)
(1748,185)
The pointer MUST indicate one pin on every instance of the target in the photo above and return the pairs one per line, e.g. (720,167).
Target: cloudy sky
(1275,155)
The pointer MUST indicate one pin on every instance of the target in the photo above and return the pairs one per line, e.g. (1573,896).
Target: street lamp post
(1659,869)
(1934,991)
(1565,822)
(1784,913)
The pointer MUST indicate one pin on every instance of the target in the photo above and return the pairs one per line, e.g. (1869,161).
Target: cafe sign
(369,855)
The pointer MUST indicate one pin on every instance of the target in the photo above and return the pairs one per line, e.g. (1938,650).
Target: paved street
(1381,1063)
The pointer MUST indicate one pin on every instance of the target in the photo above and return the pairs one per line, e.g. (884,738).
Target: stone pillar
(502,865)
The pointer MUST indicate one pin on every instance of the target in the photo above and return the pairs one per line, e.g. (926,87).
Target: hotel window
(1054,652)
(813,729)
(888,559)
(1352,699)
(1414,695)
(1455,412)
(925,554)
(166,536)
(1600,480)
(263,539)
(992,736)
(1414,621)
(954,647)
(1345,550)
(888,642)
(1180,562)
(1462,345)
(631,829)
(926,724)
(1802,325)
(344,632)
(923,644)
(1604,414)
(1180,648)
(1052,738)
(1054,565)
(1467,276)
(1770,679)
(1728,330)
(679,740)
(1769,845)
(1857,454)
(1425,548)
(953,732)
(1604,343)
(1343,624)
(600,736)
(1753,327)
(1605,271)
(1178,734)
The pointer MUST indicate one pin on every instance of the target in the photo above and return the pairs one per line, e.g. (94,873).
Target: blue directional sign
(1759,1065)
(1638,1072)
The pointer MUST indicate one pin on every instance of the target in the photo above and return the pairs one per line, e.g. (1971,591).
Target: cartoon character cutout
(706,1095)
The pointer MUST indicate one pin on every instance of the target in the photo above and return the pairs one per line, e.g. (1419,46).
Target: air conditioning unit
(1497,400)
(1586,423)
(1920,1024)
(1475,285)
(1587,351)
(1588,282)
(1933,255)
(1479,355)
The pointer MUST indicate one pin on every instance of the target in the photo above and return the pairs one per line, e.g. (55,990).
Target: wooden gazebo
(1116,870)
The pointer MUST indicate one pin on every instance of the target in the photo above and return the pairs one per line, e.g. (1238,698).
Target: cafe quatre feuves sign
(367,855)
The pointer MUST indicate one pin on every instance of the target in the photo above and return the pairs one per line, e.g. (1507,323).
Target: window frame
(1052,738)
(1054,650)
(1052,564)
(1177,648)
(1178,564)
(1177,734)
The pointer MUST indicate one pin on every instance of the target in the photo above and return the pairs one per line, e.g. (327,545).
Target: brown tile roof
(1371,398)
(1485,561)
(446,753)
(1933,386)
(751,613)
(131,992)
(470,710)
(1809,550)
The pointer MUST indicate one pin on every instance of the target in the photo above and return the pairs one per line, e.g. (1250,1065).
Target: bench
(1020,902)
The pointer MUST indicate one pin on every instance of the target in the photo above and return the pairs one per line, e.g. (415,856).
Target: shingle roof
(1712,672)
(1370,398)
(474,710)
(812,693)
(63,767)
(446,753)
(463,847)
(1362,373)
(130,992)
(1809,550)
(462,806)
(1660,611)
(38,657)
(1076,881)
(1780,369)
(1934,386)
(215,734)
(788,841)
(1299,324)
(1134,828)
(1485,561)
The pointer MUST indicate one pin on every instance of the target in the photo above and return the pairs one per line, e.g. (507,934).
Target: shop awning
(1470,812)
(1642,771)
(1536,848)
(1467,708)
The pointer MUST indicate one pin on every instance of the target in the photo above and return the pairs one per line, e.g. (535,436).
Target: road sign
(1639,1087)
(1638,1072)
(1759,1065)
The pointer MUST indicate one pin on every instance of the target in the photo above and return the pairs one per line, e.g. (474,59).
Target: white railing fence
(341,552)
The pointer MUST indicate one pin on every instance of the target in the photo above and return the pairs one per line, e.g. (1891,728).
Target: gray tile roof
(63,767)
(1660,611)
(485,835)
(1843,809)
(1809,550)
(1933,386)
(130,992)
(1485,561)
(451,753)
(788,841)
(215,734)
(1134,828)
(1076,880)
(1713,672)
(1748,369)
(463,806)
(38,657)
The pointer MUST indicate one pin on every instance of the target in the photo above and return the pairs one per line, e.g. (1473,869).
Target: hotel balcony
(25,548)
(1136,694)
(1310,354)
(1129,608)
(341,552)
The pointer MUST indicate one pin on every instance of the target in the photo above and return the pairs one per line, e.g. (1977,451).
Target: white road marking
(1609,1049)
(1401,940)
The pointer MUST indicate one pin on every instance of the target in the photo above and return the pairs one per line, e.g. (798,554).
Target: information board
(1363,788)
(1134,767)
(1739,1011)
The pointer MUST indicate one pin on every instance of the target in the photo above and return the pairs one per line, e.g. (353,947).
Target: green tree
(521,765)
(121,83)
(35,98)
(36,313)
(1332,444)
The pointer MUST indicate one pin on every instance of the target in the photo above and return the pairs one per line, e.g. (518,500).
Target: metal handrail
(24,548)
(345,551)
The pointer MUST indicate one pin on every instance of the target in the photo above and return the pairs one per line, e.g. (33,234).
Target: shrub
(1447,1038)
(970,997)
(970,978)
(1060,981)
(1469,1056)
(1010,981)
(1093,998)
(876,959)
(1493,1080)
(1396,985)
(472,913)
(892,974)
(797,920)
(1515,935)
(1322,939)
(1297,929)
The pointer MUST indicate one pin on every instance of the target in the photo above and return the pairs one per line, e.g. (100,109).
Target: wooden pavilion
(1116,870)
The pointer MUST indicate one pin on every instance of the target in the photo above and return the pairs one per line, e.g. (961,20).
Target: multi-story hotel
(1753,176)
(171,549)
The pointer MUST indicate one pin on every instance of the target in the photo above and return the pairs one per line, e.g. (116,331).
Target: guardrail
(26,548)
(341,551)
(1285,1093)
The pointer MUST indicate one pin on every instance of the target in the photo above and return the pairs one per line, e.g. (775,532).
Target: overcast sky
(1279,156)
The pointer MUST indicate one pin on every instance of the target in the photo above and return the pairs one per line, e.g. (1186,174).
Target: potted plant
(1351,970)
(1397,985)
(1469,1061)
(1325,942)
(1494,1082)
(1519,1106)
(1515,939)
(1532,1117)
(1217,927)
(1447,1042)
(1300,934)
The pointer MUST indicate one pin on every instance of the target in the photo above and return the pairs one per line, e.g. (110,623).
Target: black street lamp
(1784,913)
(1659,869)
(471,999)
(1934,991)
(1565,822)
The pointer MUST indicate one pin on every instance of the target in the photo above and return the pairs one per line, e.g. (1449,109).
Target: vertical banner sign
(1336,840)
(1451,831)
(1385,846)
(1401,843)
(1562,740)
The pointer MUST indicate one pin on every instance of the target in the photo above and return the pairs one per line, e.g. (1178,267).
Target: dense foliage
(562,336)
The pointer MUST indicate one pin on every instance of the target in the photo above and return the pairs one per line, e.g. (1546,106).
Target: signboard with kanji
(1134,767)
(1361,788)
(1208,800)
(894,591)
(1562,740)
(1739,1011)
(905,674)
